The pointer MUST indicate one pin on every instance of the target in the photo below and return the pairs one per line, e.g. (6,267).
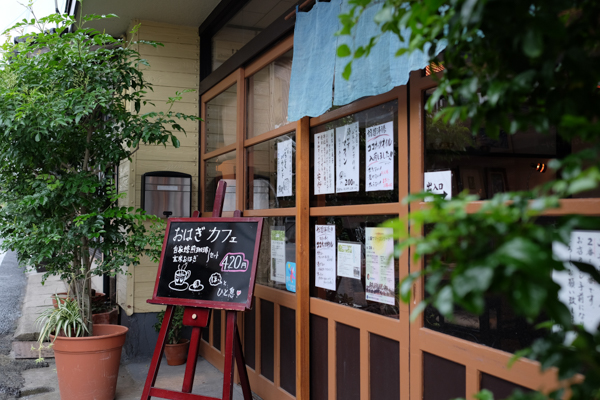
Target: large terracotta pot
(88,367)
(177,353)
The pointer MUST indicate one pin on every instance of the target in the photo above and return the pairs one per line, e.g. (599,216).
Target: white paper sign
(380,157)
(379,250)
(325,256)
(349,259)
(578,290)
(347,158)
(278,254)
(439,182)
(284,168)
(324,162)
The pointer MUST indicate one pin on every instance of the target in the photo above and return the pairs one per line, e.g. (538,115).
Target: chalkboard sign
(208,262)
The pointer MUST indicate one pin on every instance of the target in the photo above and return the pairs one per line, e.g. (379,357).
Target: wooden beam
(303,259)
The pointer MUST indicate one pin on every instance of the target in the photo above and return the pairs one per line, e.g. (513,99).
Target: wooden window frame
(368,323)
(476,358)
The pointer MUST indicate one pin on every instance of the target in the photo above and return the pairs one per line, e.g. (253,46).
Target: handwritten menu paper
(578,290)
(284,168)
(349,259)
(379,250)
(380,157)
(347,158)
(324,162)
(325,256)
(278,254)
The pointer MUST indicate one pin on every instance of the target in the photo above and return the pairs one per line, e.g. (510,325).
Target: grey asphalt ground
(12,290)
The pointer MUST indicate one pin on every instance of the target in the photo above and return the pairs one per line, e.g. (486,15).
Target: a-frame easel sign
(206,263)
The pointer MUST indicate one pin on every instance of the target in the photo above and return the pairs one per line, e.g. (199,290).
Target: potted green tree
(70,105)
(176,349)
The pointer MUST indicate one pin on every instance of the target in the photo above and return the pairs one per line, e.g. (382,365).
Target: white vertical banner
(347,158)
(324,159)
(379,251)
(379,156)
(579,291)
(278,254)
(325,256)
(284,168)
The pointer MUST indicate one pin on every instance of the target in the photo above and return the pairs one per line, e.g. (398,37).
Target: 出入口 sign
(208,262)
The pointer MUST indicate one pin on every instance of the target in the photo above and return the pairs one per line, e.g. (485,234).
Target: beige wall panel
(166,64)
(169,35)
(161,153)
(175,50)
(140,306)
(173,67)
(159,105)
(146,274)
(167,27)
(125,288)
(164,92)
(144,292)
(161,78)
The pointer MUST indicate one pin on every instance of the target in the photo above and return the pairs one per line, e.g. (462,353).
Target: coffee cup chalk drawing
(181,276)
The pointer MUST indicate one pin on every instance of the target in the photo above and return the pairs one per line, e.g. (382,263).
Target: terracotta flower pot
(58,297)
(61,296)
(177,353)
(109,317)
(88,367)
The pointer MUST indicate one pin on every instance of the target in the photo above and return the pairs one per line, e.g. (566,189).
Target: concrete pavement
(42,383)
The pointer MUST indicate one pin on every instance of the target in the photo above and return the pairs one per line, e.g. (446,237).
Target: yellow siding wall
(174,67)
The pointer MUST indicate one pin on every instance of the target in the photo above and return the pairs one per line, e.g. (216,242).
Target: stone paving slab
(37,299)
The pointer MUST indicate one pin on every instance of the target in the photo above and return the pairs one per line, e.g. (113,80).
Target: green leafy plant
(70,115)
(509,65)
(174,332)
(64,320)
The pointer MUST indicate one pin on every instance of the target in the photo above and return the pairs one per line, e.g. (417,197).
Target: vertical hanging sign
(324,162)
(278,254)
(380,157)
(379,251)
(284,168)
(347,158)
(325,256)
(578,291)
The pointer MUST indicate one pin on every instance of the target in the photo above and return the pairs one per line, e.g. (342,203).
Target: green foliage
(174,333)
(69,116)
(65,320)
(510,65)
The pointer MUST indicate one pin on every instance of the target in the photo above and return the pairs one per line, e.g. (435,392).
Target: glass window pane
(217,168)
(384,115)
(351,292)
(268,91)
(251,20)
(262,173)
(486,166)
(272,260)
(221,120)
(498,327)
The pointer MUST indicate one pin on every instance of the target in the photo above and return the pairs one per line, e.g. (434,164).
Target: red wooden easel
(197,318)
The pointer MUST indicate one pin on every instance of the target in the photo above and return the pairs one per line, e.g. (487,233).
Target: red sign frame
(221,305)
